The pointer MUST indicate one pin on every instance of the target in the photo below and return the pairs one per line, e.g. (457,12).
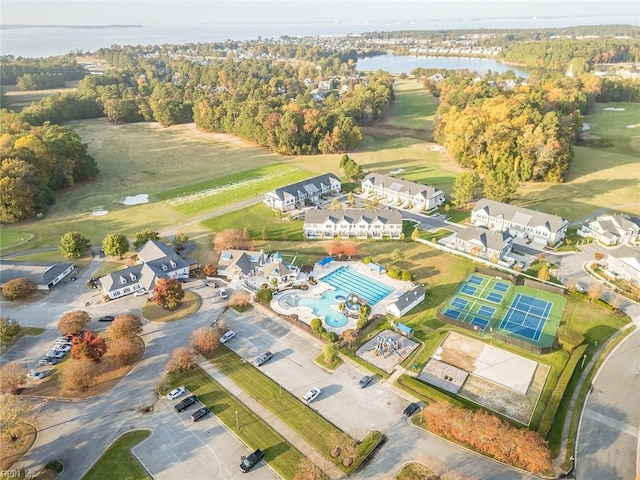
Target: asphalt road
(607,446)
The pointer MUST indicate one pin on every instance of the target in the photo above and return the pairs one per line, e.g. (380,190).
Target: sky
(172,12)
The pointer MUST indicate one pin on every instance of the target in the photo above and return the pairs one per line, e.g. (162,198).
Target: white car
(36,375)
(211,283)
(61,347)
(63,340)
(55,354)
(140,293)
(176,392)
(223,293)
(580,288)
(227,336)
(311,395)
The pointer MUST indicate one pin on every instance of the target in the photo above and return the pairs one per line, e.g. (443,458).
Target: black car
(249,462)
(198,414)
(186,403)
(411,409)
(107,318)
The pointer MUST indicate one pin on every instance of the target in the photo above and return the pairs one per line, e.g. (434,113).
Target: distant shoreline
(75,27)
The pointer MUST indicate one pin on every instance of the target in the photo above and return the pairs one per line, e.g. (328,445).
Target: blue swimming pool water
(344,280)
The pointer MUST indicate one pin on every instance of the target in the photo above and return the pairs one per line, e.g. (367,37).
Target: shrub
(182,359)
(367,260)
(394,272)
(54,465)
(331,337)
(316,324)
(204,340)
(19,288)
(264,295)
(407,276)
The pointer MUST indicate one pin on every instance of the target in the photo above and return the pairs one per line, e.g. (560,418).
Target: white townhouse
(307,192)
(482,243)
(613,229)
(624,262)
(353,222)
(406,194)
(157,260)
(520,222)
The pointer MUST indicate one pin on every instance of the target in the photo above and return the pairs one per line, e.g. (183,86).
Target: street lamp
(237,423)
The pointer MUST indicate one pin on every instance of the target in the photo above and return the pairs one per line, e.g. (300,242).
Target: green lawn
(231,189)
(254,218)
(253,431)
(11,238)
(117,463)
(414,106)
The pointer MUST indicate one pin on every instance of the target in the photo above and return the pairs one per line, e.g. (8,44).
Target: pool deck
(282,305)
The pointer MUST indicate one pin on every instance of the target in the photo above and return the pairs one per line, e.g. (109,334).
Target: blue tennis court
(480,322)
(494,297)
(452,313)
(486,311)
(526,317)
(460,303)
(501,287)
(475,280)
(468,290)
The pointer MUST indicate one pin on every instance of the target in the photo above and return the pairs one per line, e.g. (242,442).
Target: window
(123,281)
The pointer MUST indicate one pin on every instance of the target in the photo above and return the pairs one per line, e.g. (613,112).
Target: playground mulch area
(385,358)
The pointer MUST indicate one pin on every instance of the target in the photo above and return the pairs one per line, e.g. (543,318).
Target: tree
(415,234)
(594,292)
(308,471)
(126,325)
(115,244)
(12,376)
(543,273)
(336,204)
(329,353)
(73,245)
(210,270)
(168,293)
(144,236)
(182,360)
(351,199)
(264,234)
(78,376)
(180,239)
(73,323)
(264,296)
(232,238)
(88,346)
(13,413)
(363,315)
(598,256)
(19,190)
(9,328)
(500,184)
(397,255)
(349,337)
(239,299)
(124,350)
(204,340)
(316,326)
(349,248)
(466,187)
(19,288)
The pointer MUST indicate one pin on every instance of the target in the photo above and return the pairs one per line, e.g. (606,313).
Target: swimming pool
(344,281)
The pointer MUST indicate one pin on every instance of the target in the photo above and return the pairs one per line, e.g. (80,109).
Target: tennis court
(476,280)
(474,312)
(495,297)
(501,287)
(469,290)
(526,316)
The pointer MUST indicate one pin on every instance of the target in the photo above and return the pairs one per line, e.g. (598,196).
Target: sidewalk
(274,422)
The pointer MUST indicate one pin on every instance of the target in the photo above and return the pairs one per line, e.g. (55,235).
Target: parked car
(198,414)
(364,381)
(262,359)
(140,293)
(411,409)
(223,293)
(36,375)
(61,347)
(580,288)
(211,283)
(176,392)
(55,354)
(227,336)
(64,339)
(186,403)
(48,361)
(107,318)
(73,279)
(249,462)
(311,395)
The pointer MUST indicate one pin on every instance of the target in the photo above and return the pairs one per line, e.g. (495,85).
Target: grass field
(414,107)
(118,462)
(17,99)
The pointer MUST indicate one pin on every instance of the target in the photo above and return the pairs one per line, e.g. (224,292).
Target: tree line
(40,73)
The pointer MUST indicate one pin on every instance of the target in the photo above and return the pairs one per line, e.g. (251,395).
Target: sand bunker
(99,213)
(631,126)
(436,148)
(614,109)
(396,172)
(136,199)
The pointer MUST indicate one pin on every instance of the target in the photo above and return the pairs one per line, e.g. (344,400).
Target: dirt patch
(459,351)
(386,359)
(12,451)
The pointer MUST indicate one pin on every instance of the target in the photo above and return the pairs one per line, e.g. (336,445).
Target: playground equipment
(386,345)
